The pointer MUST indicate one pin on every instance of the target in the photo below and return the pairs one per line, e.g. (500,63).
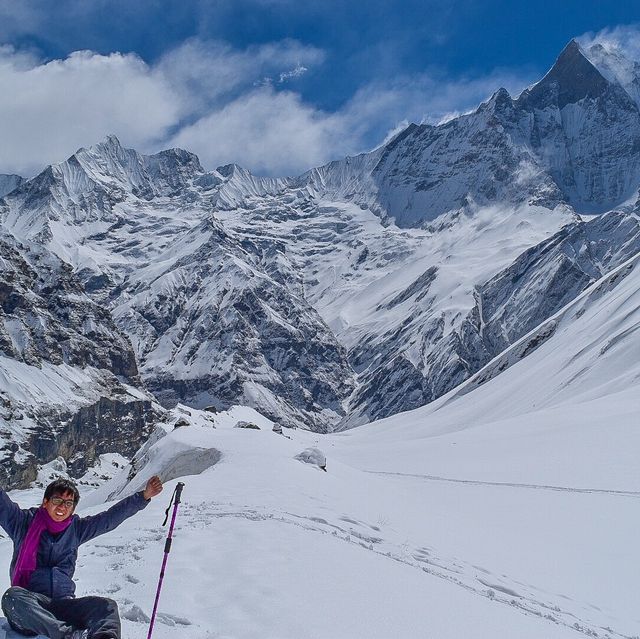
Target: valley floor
(405,536)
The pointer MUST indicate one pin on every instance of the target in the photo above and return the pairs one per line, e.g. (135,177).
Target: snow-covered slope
(455,262)
(397,299)
(575,375)
(211,327)
(51,411)
(548,276)
(71,201)
(544,438)
(47,316)
(267,546)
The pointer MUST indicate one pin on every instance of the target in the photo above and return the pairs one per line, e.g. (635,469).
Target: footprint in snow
(172,620)
(136,614)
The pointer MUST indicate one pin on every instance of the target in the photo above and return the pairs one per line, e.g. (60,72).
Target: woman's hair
(60,487)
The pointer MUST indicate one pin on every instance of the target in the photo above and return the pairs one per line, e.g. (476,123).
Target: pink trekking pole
(175,500)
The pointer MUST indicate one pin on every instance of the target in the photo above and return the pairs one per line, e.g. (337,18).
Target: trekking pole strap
(175,498)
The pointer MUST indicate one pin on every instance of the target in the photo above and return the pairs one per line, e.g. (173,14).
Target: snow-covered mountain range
(509,505)
(369,286)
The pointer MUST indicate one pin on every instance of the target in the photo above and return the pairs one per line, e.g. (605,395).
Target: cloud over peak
(48,109)
(223,103)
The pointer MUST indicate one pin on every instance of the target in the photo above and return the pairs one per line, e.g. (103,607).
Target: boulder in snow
(313,456)
(250,425)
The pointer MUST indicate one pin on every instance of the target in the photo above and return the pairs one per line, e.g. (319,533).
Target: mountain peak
(571,78)
(111,141)
(571,50)
(102,156)
(500,100)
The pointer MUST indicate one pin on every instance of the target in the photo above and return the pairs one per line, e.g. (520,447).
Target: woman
(42,599)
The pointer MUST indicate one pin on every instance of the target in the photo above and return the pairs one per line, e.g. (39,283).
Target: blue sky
(275,85)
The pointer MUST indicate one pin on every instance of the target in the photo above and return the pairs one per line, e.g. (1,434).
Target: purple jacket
(57,554)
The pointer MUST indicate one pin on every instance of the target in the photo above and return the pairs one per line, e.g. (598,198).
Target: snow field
(266,546)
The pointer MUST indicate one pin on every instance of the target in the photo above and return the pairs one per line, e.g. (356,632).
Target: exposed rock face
(572,79)
(212,318)
(117,424)
(51,331)
(548,276)
(214,329)
(82,193)
(605,321)
(8,183)
(45,315)
(588,130)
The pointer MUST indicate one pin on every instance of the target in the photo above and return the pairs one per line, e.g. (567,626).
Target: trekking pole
(175,500)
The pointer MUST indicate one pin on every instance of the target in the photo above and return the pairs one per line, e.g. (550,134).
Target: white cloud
(391,133)
(268,131)
(209,74)
(298,72)
(48,110)
(616,54)
(421,99)
(219,102)
(621,39)
(276,133)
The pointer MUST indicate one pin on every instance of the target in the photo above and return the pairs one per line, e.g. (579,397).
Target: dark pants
(34,614)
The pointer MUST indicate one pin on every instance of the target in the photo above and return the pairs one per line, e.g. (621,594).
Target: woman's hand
(153,488)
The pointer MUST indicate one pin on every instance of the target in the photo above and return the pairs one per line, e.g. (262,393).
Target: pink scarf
(26,562)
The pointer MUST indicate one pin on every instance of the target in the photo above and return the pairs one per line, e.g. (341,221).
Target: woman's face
(60,506)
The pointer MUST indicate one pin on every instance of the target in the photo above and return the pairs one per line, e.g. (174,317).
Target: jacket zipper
(51,571)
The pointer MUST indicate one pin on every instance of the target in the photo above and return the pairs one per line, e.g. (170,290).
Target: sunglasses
(58,501)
